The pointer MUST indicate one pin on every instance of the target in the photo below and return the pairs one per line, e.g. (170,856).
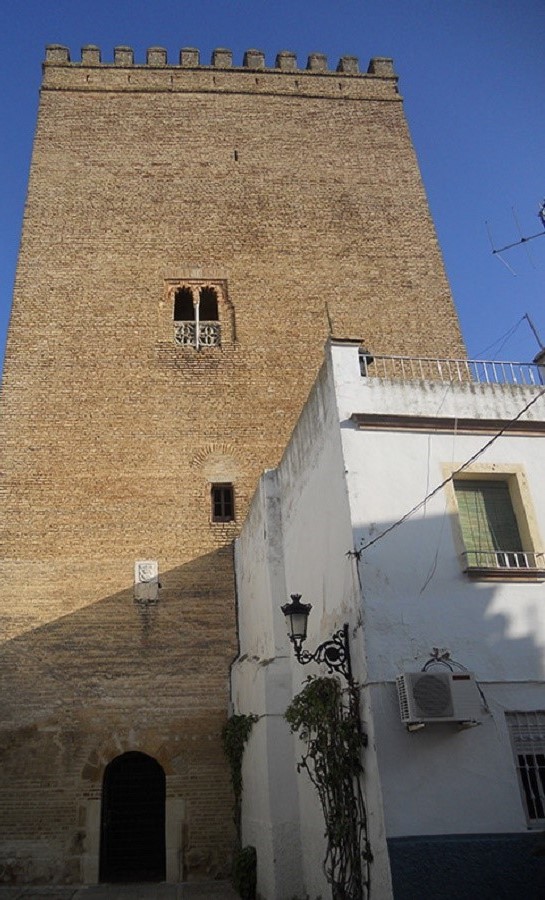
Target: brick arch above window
(218,462)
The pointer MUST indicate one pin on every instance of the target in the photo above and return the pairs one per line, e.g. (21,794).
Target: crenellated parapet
(222,58)
(157,73)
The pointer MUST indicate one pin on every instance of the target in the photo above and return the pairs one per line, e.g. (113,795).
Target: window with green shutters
(489,525)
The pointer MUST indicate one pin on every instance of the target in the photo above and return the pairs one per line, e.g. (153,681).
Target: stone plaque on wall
(146,579)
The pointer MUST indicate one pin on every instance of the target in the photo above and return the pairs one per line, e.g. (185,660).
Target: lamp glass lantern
(296,614)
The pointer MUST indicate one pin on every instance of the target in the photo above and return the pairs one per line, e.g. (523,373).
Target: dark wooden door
(133,820)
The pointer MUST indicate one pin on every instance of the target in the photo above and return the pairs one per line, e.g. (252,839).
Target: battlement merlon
(188,74)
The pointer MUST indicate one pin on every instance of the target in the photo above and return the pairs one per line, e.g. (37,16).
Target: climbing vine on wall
(327,721)
(236,732)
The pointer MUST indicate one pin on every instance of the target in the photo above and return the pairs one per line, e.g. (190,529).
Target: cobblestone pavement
(211,890)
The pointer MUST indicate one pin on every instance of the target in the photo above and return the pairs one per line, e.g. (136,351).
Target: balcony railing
(501,560)
(474,371)
(193,334)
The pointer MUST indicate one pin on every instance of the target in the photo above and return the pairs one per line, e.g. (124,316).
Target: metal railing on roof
(474,371)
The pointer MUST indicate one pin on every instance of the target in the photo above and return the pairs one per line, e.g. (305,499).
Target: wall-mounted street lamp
(335,653)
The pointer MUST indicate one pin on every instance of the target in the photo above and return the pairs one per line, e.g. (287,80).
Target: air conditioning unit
(438,696)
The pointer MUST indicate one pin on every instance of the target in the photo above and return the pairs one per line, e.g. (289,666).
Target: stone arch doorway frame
(132,821)
(91,805)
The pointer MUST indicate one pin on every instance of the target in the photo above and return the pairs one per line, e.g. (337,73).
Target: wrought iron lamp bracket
(335,653)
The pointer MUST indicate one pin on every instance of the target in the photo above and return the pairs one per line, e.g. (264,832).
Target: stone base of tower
(112,713)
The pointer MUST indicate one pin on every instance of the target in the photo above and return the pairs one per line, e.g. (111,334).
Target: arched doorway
(132,844)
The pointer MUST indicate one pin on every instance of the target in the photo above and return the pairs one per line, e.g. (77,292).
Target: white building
(453,810)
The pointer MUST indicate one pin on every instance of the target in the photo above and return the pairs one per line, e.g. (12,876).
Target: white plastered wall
(336,487)
(261,686)
(297,539)
(416,597)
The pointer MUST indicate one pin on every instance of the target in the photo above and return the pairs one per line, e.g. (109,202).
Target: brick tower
(191,236)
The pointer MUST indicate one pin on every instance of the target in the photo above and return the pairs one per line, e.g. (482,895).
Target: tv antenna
(536,335)
(522,241)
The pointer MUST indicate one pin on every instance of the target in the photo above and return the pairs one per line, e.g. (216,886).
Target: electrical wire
(502,340)
(452,476)
(443,658)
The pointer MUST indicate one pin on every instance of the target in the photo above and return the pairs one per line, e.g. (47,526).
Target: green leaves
(234,735)
(236,732)
(326,718)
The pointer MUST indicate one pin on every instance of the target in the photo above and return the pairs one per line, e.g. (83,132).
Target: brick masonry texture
(298,190)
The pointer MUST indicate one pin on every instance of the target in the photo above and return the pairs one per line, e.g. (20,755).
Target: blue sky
(473,79)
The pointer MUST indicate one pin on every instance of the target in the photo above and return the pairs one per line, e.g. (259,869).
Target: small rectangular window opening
(223,505)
